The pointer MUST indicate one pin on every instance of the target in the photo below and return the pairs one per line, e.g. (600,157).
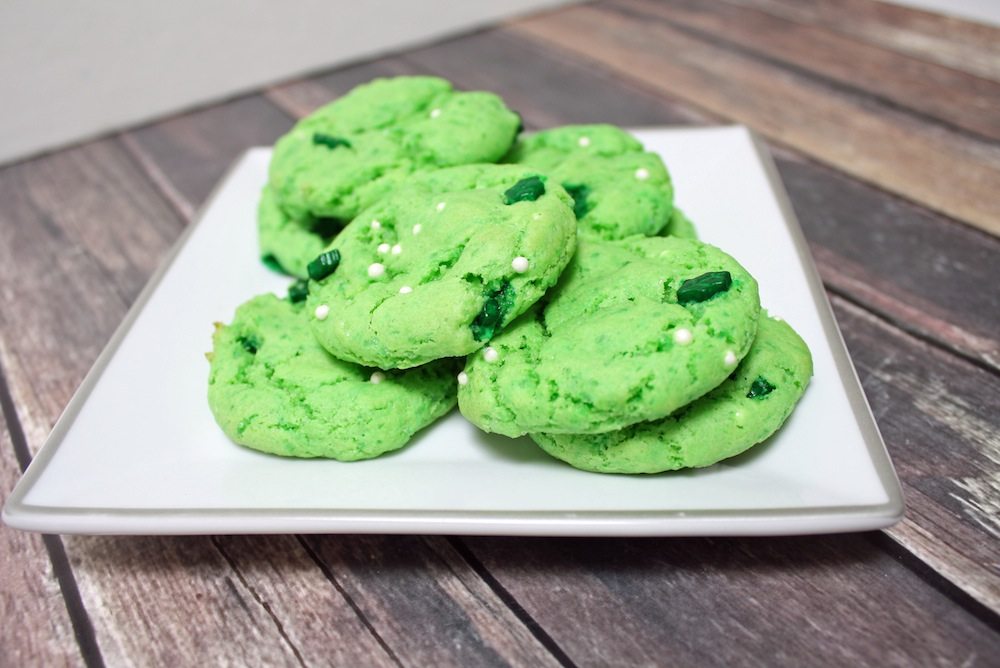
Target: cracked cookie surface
(273,388)
(747,408)
(619,189)
(612,344)
(443,263)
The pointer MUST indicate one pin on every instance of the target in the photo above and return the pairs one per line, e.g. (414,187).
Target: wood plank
(947,95)
(29,591)
(829,601)
(192,151)
(954,42)
(940,419)
(427,602)
(899,260)
(924,162)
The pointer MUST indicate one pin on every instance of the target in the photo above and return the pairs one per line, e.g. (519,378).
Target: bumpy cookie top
(438,267)
(634,330)
(619,189)
(744,410)
(273,388)
(345,155)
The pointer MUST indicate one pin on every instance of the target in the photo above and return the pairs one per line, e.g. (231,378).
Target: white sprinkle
(463,378)
(536,216)
(405,290)
(642,173)
(376,269)
(441,206)
(683,336)
(520,264)
(397,249)
(321,312)
(376,225)
(417,228)
(584,141)
(435,113)
(383,249)
(491,354)
(777,318)
(738,416)
(730,359)
(377,377)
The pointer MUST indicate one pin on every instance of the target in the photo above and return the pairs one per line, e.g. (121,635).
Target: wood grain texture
(427,603)
(970,102)
(818,601)
(964,45)
(938,417)
(30,598)
(925,162)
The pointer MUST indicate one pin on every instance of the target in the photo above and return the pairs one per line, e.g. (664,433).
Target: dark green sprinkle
(249,343)
(298,291)
(272,263)
(703,287)
(330,141)
(326,228)
(579,193)
(498,300)
(525,190)
(324,265)
(760,388)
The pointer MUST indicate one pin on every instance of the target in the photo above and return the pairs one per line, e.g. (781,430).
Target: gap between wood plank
(512,604)
(332,579)
(885,542)
(83,628)
(262,603)
(634,9)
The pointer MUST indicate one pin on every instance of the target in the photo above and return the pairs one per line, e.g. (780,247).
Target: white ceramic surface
(137,450)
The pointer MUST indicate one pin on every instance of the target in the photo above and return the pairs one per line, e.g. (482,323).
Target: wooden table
(886,126)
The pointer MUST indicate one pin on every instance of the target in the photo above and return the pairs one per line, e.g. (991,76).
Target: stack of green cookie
(588,314)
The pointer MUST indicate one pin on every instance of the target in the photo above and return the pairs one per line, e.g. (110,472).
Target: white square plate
(137,450)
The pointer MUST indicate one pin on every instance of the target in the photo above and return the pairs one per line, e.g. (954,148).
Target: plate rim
(708,522)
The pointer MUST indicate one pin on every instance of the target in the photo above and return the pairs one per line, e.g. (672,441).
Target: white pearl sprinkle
(397,249)
(536,216)
(491,354)
(383,249)
(417,228)
(683,336)
(376,225)
(441,206)
(321,312)
(405,290)
(463,378)
(642,173)
(376,269)
(376,377)
(584,141)
(520,264)
(730,359)
(435,113)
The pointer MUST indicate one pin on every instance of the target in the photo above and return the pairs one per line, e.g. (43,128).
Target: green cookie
(744,410)
(436,268)
(618,188)
(346,155)
(679,226)
(289,245)
(273,388)
(634,330)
